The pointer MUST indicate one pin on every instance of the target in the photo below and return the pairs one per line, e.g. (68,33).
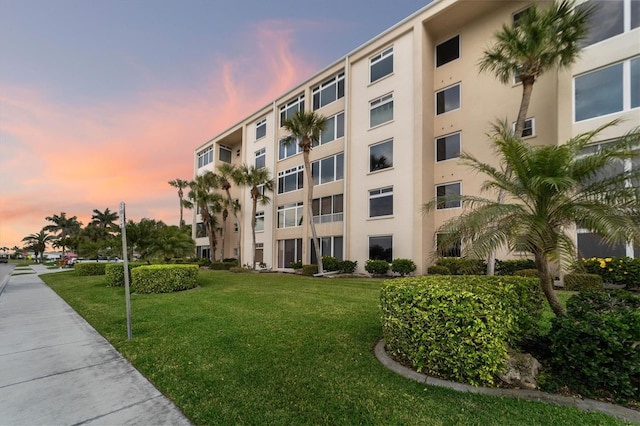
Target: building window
(203,252)
(444,195)
(205,156)
(289,251)
(381,65)
(381,156)
(224,154)
(290,109)
(381,248)
(261,129)
(290,215)
(291,179)
(201,230)
(607,20)
(261,156)
(381,110)
(328,169)
(448,99)
(328,209)
(259,221)
(288,149)
(448,51)
(518,16)
(453,251)
(529,129)
(329,91)
(333,131)
(259,253)
(381,202)
(607,90)
(448,147)
(329,246)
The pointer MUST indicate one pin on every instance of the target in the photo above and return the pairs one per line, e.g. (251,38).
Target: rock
(522,371)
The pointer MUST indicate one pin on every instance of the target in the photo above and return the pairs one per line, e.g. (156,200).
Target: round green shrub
(376,267)
(438,270)
(582,282)
(89,268)
(330,263)
(309,270)
(348,266)
(403,266)
(114,273)
(164,278)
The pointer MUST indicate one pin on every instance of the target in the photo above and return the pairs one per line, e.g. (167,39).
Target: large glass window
(334,129)
(448,51)
(381,110)
(290,180)
(381,202)
(224,154)
(289,109)
(261,156)
(205,156)
(329,246)
(381,156)
(599,92)
(381,65)
(448,147)
(290,215)
(635,81)
(288,149)
(381,248)
(289,251)
(259,221)
(328,169)
(328,209)
(329,91)
(261,128)
(607,20)
(445,192)
(448,99)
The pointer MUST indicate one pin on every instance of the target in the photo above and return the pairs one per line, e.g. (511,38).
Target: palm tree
(64,227)
(140,236)
(38,242)
(542,39)
(228,173)
(105,221)
(223,205)
(170,242)
(180,184)
(255,178)
(550,189)
(305,128)
(201,194)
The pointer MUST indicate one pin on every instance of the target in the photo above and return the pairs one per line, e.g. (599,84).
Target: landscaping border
(530,395)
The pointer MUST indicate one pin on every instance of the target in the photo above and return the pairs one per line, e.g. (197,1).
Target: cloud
(59,157)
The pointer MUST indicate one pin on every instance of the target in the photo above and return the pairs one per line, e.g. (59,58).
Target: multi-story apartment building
(400,109)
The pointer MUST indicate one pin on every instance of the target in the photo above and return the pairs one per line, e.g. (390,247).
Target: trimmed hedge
(309,270)
(376,267)
(510,267)
(595,346)
(114,273)
(403,266)
(583,282)
(89,268)
(164,278)
(463,265)
(348,266)
(531,273)
(438,270)
(223,266)
(239,270)
(330,263)
(458,328)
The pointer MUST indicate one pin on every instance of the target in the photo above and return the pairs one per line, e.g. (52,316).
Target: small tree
(181,185)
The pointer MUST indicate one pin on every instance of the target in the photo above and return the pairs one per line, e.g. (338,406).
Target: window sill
(447,112)
(381,124)
(391,74)
(380,217)
(447,160)
(375,172)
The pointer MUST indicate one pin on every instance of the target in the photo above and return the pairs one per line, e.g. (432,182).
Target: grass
(280,349)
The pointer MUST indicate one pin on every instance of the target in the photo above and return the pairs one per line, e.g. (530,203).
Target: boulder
(522,371)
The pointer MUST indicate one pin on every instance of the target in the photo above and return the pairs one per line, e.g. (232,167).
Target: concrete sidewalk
(56,369)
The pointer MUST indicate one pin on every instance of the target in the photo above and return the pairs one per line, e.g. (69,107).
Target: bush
(510,267)
(438,270)
(463,265)
(239,270)
(330,263)
(531,273)
(204,261)
(309,270)
(595,346)
(403,266)
(348,266)
(114,273)
(89,268)
(163,278)
(582,282)
(615,270)
(450,327)
(376,267)
(223,266)
(296,265)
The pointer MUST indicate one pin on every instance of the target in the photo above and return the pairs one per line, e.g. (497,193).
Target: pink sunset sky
(101,104)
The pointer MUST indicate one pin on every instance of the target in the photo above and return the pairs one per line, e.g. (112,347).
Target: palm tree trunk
(253,231)
(235,216)
(180,196)
(542,264)
(316,245)
(223,234)
(207,224)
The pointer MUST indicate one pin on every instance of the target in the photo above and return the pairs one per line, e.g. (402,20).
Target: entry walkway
(56,369)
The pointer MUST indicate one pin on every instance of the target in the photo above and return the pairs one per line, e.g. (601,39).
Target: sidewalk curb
(530,395)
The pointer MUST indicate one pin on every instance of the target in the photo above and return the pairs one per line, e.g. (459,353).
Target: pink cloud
(57,157)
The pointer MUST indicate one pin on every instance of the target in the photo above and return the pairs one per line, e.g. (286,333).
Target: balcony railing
(328,218)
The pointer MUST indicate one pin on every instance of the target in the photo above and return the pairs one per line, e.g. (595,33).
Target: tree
(170,242)
(201,194)
(549,189)
(542,39)
(228,173)
(223,205)
(105,220)
(255,179)
(305,128)
(38,242)
(140,236)
(180,184)
(65,227)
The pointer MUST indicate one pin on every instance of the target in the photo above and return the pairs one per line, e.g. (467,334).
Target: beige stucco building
(401,107)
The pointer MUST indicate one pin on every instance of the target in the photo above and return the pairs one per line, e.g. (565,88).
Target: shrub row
(89,268)
(595,346)
(458,328)
(381,267)
(163,278)
(223,266)
(114,273)
(462,266)
(510,267)
(615,270)
(582,282)
(330,263)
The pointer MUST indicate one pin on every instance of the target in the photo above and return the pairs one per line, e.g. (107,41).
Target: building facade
(400,109)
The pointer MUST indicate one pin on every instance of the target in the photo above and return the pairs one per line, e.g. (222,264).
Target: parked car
(4,259)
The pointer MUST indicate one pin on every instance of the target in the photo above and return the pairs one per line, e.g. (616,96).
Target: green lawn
(279,349)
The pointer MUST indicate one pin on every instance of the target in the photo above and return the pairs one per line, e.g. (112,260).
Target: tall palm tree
(305,128)
(38,242)
(64,227)
(228,174)
(543,38)
(255,178)
(550,188)
(223,205)
(201,194)
(105,220)
(140,236)
(170,242)
(180,184)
